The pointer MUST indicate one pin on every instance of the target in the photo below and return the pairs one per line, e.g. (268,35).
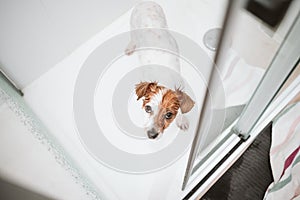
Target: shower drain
(211,38)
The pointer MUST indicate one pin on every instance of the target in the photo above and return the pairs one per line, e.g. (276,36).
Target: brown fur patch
(170,103)
(186,103)
(147,90)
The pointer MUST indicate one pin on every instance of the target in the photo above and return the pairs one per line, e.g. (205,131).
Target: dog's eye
(148,109)
(169,115)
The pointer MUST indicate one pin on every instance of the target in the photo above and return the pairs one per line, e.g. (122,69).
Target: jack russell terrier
(161,105)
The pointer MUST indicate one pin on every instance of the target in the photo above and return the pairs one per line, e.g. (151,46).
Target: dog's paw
(182,122)
(130,48)
(128,52)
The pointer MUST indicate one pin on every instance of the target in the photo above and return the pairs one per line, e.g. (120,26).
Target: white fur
(149,29)
(154,103)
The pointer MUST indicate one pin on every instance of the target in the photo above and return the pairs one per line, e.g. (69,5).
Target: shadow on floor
(10,191)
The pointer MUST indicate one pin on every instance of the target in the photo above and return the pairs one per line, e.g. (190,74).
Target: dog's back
(148,14)
(149,29)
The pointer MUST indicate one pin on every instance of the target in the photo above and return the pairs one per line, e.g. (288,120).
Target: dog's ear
(185,101)
(143,88)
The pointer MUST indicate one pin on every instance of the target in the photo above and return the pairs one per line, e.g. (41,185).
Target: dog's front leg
(182,121)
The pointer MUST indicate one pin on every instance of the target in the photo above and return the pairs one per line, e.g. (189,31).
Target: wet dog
(161,105)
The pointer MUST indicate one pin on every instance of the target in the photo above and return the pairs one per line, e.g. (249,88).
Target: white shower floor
(51,98)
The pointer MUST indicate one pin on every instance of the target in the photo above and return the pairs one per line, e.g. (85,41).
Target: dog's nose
(152,134)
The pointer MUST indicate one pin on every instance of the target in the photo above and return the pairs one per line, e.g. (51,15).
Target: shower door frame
(236,139)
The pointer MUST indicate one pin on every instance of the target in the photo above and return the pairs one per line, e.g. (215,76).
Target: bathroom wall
(37,34)
(32,163)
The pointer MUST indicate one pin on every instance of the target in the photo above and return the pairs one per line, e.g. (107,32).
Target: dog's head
(161,106)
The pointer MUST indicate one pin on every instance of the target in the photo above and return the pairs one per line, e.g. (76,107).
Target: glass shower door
(254,61)
(282,65)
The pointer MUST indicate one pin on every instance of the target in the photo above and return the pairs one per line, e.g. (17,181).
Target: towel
(285,155)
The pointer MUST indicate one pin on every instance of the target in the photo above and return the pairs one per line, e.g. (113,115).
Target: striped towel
(285,155)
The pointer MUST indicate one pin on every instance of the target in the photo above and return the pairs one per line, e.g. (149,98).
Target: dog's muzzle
(152,133)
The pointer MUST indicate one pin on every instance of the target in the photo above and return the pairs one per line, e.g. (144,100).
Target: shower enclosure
(270,96)
(240,67)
